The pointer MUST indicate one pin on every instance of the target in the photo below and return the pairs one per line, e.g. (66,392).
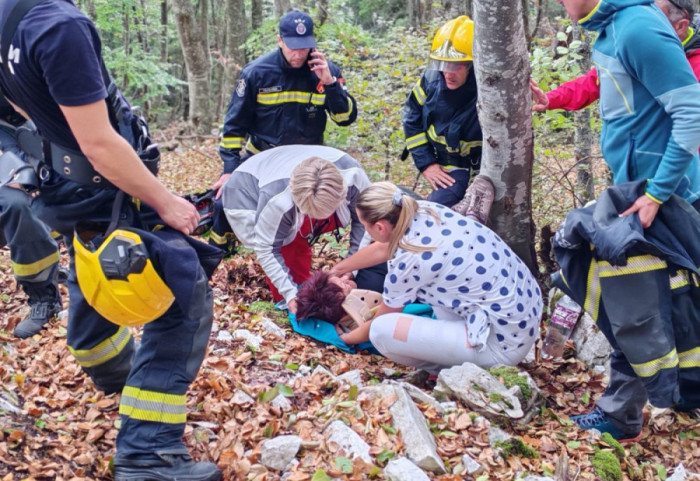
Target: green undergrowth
(516,447)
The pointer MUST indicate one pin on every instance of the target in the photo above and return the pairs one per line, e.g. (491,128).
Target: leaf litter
(67,429)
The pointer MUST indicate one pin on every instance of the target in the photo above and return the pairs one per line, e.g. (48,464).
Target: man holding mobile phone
(281,98)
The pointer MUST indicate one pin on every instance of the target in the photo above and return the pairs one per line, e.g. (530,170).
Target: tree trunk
(502,65)
(455,8)
(126,25)
(235,59)
(468,7)
(413,13)
(428,11)
(282,7)
(323,11)
(88,6)
(256,13)
(583,134)
(144,22)
(163,31)
(203,20)
(525,5)
(196,53)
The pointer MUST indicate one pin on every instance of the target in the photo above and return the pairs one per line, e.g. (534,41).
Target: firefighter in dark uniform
(55,75)
(33,252)
(440,121)
(282,98)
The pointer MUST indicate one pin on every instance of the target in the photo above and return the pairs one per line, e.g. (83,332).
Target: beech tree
(583,135)
(502,66)
(195,49)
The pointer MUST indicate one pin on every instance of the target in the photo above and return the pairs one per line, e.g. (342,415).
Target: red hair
(319,298)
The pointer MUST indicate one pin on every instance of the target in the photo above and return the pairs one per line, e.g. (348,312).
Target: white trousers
(435,344)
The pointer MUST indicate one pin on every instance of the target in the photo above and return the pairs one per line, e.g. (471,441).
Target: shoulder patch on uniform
(240,88)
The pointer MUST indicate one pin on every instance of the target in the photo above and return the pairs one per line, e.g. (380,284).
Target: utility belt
(72,164)
(76,167)
(456,161)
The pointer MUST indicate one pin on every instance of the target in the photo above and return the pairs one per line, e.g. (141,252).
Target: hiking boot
(477,200)
(597,419)
(42,312)
(164,466)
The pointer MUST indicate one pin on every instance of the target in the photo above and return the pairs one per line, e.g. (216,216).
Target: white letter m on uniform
(13,56)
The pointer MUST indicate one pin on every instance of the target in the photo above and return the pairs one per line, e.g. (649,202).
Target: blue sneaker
(597,419)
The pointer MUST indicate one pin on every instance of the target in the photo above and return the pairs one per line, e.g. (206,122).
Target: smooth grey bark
(583,134)
(163,31)
(195,51)
(413,13)
(237,35)
(502,66)
(455,8)
(282,7)
(323,12)
(234,60)
(203,19)
(256,13)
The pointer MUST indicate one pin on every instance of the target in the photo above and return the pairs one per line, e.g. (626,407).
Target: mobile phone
(310,57)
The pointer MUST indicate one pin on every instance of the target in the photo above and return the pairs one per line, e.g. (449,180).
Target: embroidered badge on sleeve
(240,88)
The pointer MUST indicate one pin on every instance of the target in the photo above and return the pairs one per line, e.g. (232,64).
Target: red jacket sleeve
(577,93)
(694,60)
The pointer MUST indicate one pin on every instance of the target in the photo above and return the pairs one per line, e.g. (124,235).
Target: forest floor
(67,428)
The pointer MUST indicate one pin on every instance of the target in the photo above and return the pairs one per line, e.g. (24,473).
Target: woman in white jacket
(279,201)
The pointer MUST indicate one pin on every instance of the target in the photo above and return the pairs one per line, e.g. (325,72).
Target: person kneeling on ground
(486,303)
(280,201)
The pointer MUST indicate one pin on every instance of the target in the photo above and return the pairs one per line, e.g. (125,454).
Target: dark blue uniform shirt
(276,104)
(441,125)
(44,76)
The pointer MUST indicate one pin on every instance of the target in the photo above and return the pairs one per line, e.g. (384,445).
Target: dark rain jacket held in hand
(642,287)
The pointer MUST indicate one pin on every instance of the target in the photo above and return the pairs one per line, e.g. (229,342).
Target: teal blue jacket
(649,99)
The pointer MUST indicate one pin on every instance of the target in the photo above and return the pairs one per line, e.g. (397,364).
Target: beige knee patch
(466,334)
(403,325)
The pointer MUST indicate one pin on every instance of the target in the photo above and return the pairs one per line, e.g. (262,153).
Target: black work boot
(164,466)
(45,302)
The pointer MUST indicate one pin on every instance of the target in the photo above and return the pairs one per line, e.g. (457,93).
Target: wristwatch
(335,79)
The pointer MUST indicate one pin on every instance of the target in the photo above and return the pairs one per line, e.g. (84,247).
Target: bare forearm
(369,256)
(358,335)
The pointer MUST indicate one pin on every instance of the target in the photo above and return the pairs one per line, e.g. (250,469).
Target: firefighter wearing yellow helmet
(440,122)
(452,45)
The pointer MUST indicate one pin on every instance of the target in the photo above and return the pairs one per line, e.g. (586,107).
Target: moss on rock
(613,443)
(607,466)
(511,377)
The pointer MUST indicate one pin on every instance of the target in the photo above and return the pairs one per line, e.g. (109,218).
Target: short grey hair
(679,8)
